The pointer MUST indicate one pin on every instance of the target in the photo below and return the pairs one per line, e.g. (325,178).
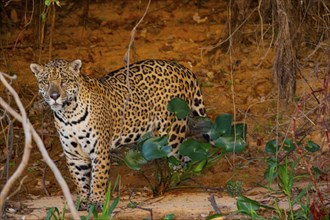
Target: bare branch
(30,132)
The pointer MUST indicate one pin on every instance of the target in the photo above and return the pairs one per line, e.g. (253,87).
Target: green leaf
(241,129)
(179,107)
(272,147)
(113,205)
(155,148)
(47,2)
(288,145)
(271,171)
(200,166)
(247,206)
(214,216)
(286,174)
(91,211)
(302,194)
(51,214)
(222,126)
(43,17)
(116,184)
(106,202)
(174,161)
(312,147)
(230,144)
(134,159)
(64,211)
(169,217)
(143,138)
(195,150)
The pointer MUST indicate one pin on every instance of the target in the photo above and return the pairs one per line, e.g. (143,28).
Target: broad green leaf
(179,107)
(143,138)
(134,159)
(272,147)
(247,206)
(174,161)
(195,150)
(241,130)
(155,148)
(222,126)
(200,166)
(230,144)
(312,146)
(288,145)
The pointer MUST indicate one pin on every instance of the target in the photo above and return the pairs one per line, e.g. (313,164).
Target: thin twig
(18,189)
(28,139)
(127,61)
(139,207)
(44,181)
(52,27)
(26,107)
(231,34)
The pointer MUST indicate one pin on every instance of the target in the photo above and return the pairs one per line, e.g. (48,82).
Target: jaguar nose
(55,95)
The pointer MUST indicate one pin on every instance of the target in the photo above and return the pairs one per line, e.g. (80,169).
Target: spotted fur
(93,116)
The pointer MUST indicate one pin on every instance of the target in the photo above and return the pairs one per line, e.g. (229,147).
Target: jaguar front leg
(100,172)
(80,170)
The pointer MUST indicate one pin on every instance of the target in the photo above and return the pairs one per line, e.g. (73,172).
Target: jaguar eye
(64,82)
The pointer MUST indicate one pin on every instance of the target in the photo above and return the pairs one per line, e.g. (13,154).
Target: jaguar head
(57,81)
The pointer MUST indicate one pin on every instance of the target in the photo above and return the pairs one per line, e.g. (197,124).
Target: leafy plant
(106,211)
(224,138)
(234,188)
(281,168)
(55,214)
(249,207)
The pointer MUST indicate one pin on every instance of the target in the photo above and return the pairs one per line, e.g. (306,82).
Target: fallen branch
(214,204)
(30,133)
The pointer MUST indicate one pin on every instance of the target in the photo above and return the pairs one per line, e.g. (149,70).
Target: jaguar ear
(76,65)
(36,68)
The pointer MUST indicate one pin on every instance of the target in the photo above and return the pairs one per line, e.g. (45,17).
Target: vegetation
(193,155)
(297,32)
(93,212)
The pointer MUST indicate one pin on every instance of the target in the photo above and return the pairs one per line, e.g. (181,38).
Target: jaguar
(96,115)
